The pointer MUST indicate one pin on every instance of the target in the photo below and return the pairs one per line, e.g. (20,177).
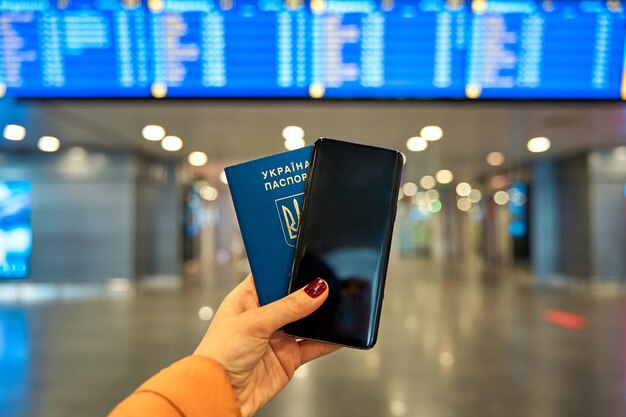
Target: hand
(241,338)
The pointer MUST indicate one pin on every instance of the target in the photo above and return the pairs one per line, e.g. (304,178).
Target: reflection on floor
(454,341)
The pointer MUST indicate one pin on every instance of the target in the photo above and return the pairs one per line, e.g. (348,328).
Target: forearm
(192,387)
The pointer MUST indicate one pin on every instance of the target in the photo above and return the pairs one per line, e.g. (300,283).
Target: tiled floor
(455,341)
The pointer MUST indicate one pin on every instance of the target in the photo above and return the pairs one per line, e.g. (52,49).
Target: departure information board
(84,49)
(243,49)
(317,48)
(546,49)
(333,48)
(389,49)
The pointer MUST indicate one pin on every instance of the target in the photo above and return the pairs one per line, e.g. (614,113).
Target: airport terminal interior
(505,293)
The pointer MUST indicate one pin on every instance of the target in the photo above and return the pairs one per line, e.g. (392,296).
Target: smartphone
(344,237)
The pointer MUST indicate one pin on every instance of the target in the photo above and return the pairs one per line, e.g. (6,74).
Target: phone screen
(344,238)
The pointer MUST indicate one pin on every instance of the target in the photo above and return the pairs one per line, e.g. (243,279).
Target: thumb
(295,306)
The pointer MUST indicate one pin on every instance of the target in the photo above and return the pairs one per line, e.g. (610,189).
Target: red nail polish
(315,288)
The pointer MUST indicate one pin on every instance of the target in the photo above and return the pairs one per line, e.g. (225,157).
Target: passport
(267,194)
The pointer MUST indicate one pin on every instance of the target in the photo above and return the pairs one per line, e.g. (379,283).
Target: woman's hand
(241,338)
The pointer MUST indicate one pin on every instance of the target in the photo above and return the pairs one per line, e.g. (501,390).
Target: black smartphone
(344,237)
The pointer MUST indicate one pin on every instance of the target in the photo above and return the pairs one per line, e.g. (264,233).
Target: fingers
(310,350)
(299,304)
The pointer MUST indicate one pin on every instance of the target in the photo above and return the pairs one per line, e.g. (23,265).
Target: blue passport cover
(268,194)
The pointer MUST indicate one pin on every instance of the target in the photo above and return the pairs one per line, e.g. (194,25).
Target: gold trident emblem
(292,221)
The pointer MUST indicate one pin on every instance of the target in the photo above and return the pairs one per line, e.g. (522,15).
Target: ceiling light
(516,197)
(223,178)
(464,204)
(158,90)
(172,143)
(77,153)
(431,133)
(431,195)
(153,132)
(14,132)
(293,132)
(197,159)
(416,144)
(208,193)
(316,90)
(48,144)
(444,176)
(294,143)
(539,144)
(419,198)
(427,182)
(498,181)
(205,313)
(495,159)
(434,206)
(474,90)
(463,189)
(409,189)
(501,198)
(475,196)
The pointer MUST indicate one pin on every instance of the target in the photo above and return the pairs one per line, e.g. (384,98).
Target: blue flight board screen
(546,49)
(331,48)
(77,48)
(244,49)
(394,49)
(315,48)
(15,229)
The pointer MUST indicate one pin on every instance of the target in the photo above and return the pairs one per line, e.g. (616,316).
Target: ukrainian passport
(268,194)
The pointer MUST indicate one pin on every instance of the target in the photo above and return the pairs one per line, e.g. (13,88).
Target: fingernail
(315,288)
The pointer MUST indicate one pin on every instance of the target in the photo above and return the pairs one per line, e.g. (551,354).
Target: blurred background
(118,238)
